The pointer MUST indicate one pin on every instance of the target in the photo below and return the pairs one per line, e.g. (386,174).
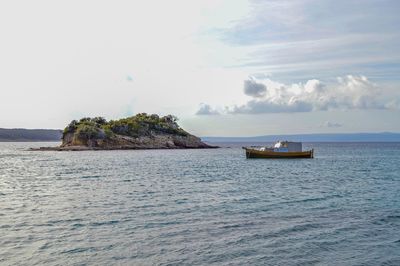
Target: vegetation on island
(135,126)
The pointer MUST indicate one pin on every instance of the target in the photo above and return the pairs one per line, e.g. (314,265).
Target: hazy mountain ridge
(22,134)
(325,137)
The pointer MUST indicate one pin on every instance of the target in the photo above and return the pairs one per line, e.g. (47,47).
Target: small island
(141,131)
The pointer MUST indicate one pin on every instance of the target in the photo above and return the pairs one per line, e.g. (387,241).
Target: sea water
(200,207)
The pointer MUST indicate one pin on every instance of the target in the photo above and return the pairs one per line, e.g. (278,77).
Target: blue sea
(200,207)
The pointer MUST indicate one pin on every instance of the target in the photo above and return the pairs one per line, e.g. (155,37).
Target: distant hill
(20,134)
(341,137)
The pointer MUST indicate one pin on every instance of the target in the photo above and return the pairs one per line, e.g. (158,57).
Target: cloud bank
(349,92)
(206,109)
(294,39)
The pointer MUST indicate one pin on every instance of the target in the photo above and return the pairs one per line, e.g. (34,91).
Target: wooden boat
(281,150)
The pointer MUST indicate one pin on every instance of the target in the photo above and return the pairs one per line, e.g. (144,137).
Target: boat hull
(254,154)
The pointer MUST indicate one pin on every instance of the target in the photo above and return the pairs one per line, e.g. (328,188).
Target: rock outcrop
(137,132)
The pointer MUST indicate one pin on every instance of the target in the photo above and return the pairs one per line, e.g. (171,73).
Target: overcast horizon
(224,68)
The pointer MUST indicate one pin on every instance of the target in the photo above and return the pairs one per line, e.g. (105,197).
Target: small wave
(78,250)
(395,217)
(77,225)
(232,226)
(45,246)
(90,176)
(160,224)
(391,219)
(104,223)
(295,229)
(5,226)
(181,201)
(52,222)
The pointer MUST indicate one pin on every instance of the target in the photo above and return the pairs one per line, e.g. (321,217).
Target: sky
(224,67)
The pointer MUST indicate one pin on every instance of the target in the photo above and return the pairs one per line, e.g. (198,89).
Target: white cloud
(349,92)
(206,109)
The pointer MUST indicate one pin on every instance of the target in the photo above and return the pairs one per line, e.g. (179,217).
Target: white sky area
(225,68)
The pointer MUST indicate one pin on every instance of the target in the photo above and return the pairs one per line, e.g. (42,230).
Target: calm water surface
(200,207)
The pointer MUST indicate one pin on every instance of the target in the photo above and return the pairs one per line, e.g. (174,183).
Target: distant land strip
(28,135)
(328,137)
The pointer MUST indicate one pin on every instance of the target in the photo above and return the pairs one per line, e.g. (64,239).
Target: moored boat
(282,149)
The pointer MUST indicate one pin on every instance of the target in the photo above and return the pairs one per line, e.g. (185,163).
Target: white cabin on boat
(288,146)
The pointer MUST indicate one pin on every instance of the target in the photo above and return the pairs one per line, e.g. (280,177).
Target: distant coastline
(55,135)
(29,135)
(325,137)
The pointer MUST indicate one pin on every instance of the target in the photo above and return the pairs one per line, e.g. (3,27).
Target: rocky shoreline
(133,145)
(84,148)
